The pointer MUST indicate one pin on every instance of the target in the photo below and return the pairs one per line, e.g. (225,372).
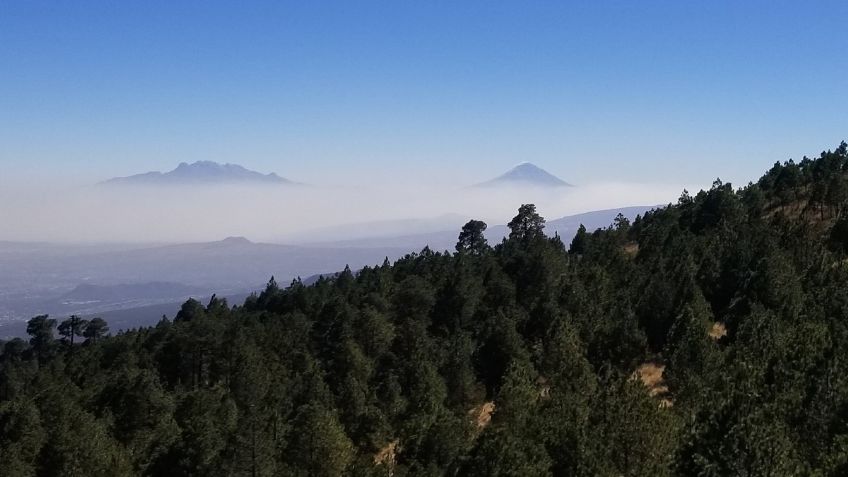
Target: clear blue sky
(678,91)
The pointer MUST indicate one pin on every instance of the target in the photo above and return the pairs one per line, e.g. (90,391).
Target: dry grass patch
(651,376)
(718,331)
(387,456)
(482,414)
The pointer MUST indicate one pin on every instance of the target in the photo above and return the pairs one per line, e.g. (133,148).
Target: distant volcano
(526,174)
(202,172)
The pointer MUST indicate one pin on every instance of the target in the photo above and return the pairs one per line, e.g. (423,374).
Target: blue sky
(452,92)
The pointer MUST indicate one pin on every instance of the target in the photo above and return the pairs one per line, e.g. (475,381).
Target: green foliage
(95,329)
(706,338)
(528,225)
(71,328)
(471,238)
(319,446)
(40,329)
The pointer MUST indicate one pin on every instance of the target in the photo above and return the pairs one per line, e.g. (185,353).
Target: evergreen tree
(471,239)
(72,327)
(95,330)
(40,329)
(527,226)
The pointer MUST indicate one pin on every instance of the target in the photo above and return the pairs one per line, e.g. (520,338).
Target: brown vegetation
(651,375)
(387,456)
(718,331)
(482,414)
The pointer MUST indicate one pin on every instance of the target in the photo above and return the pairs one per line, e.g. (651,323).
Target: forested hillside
(709,337)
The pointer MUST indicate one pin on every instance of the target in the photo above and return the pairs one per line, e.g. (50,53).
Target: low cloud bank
(286,214)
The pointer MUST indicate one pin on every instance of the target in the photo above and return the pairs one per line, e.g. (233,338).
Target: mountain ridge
(201,172)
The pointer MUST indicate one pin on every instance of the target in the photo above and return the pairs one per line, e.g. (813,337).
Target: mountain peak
(527,174)
(236,241)
(201,172)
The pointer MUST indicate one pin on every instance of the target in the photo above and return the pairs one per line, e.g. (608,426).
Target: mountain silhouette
(526,174)
(202,172)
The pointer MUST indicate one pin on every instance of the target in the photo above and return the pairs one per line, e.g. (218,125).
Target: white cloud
(97,214)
